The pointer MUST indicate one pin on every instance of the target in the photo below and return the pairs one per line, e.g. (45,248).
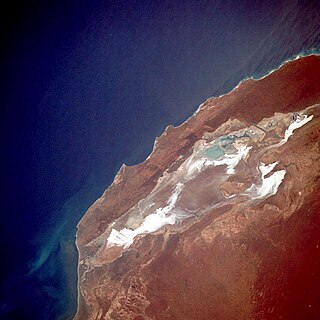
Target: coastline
(123,167)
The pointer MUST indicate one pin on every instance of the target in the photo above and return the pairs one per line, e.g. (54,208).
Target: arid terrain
(222,220)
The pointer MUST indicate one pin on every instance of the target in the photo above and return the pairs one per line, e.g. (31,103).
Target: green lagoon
(214,153)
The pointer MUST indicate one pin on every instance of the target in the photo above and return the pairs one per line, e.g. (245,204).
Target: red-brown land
(222,220)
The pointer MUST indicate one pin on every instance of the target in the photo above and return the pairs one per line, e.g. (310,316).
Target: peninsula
(222,220)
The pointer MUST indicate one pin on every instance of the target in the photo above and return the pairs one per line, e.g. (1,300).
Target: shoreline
(314,52)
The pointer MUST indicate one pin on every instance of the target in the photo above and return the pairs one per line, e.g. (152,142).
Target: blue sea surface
(87,86)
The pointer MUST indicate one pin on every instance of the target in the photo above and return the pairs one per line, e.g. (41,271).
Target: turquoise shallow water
(88,86)
(214,152)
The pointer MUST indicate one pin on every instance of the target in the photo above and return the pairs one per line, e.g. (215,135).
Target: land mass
(222,220)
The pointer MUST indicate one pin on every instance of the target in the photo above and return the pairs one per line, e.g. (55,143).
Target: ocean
(87,86)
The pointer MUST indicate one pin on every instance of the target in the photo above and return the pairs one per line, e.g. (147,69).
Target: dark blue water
(87,86)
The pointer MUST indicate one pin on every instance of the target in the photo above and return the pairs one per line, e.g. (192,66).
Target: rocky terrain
(222,220)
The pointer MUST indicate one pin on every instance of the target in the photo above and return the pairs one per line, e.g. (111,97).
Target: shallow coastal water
(94,92)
